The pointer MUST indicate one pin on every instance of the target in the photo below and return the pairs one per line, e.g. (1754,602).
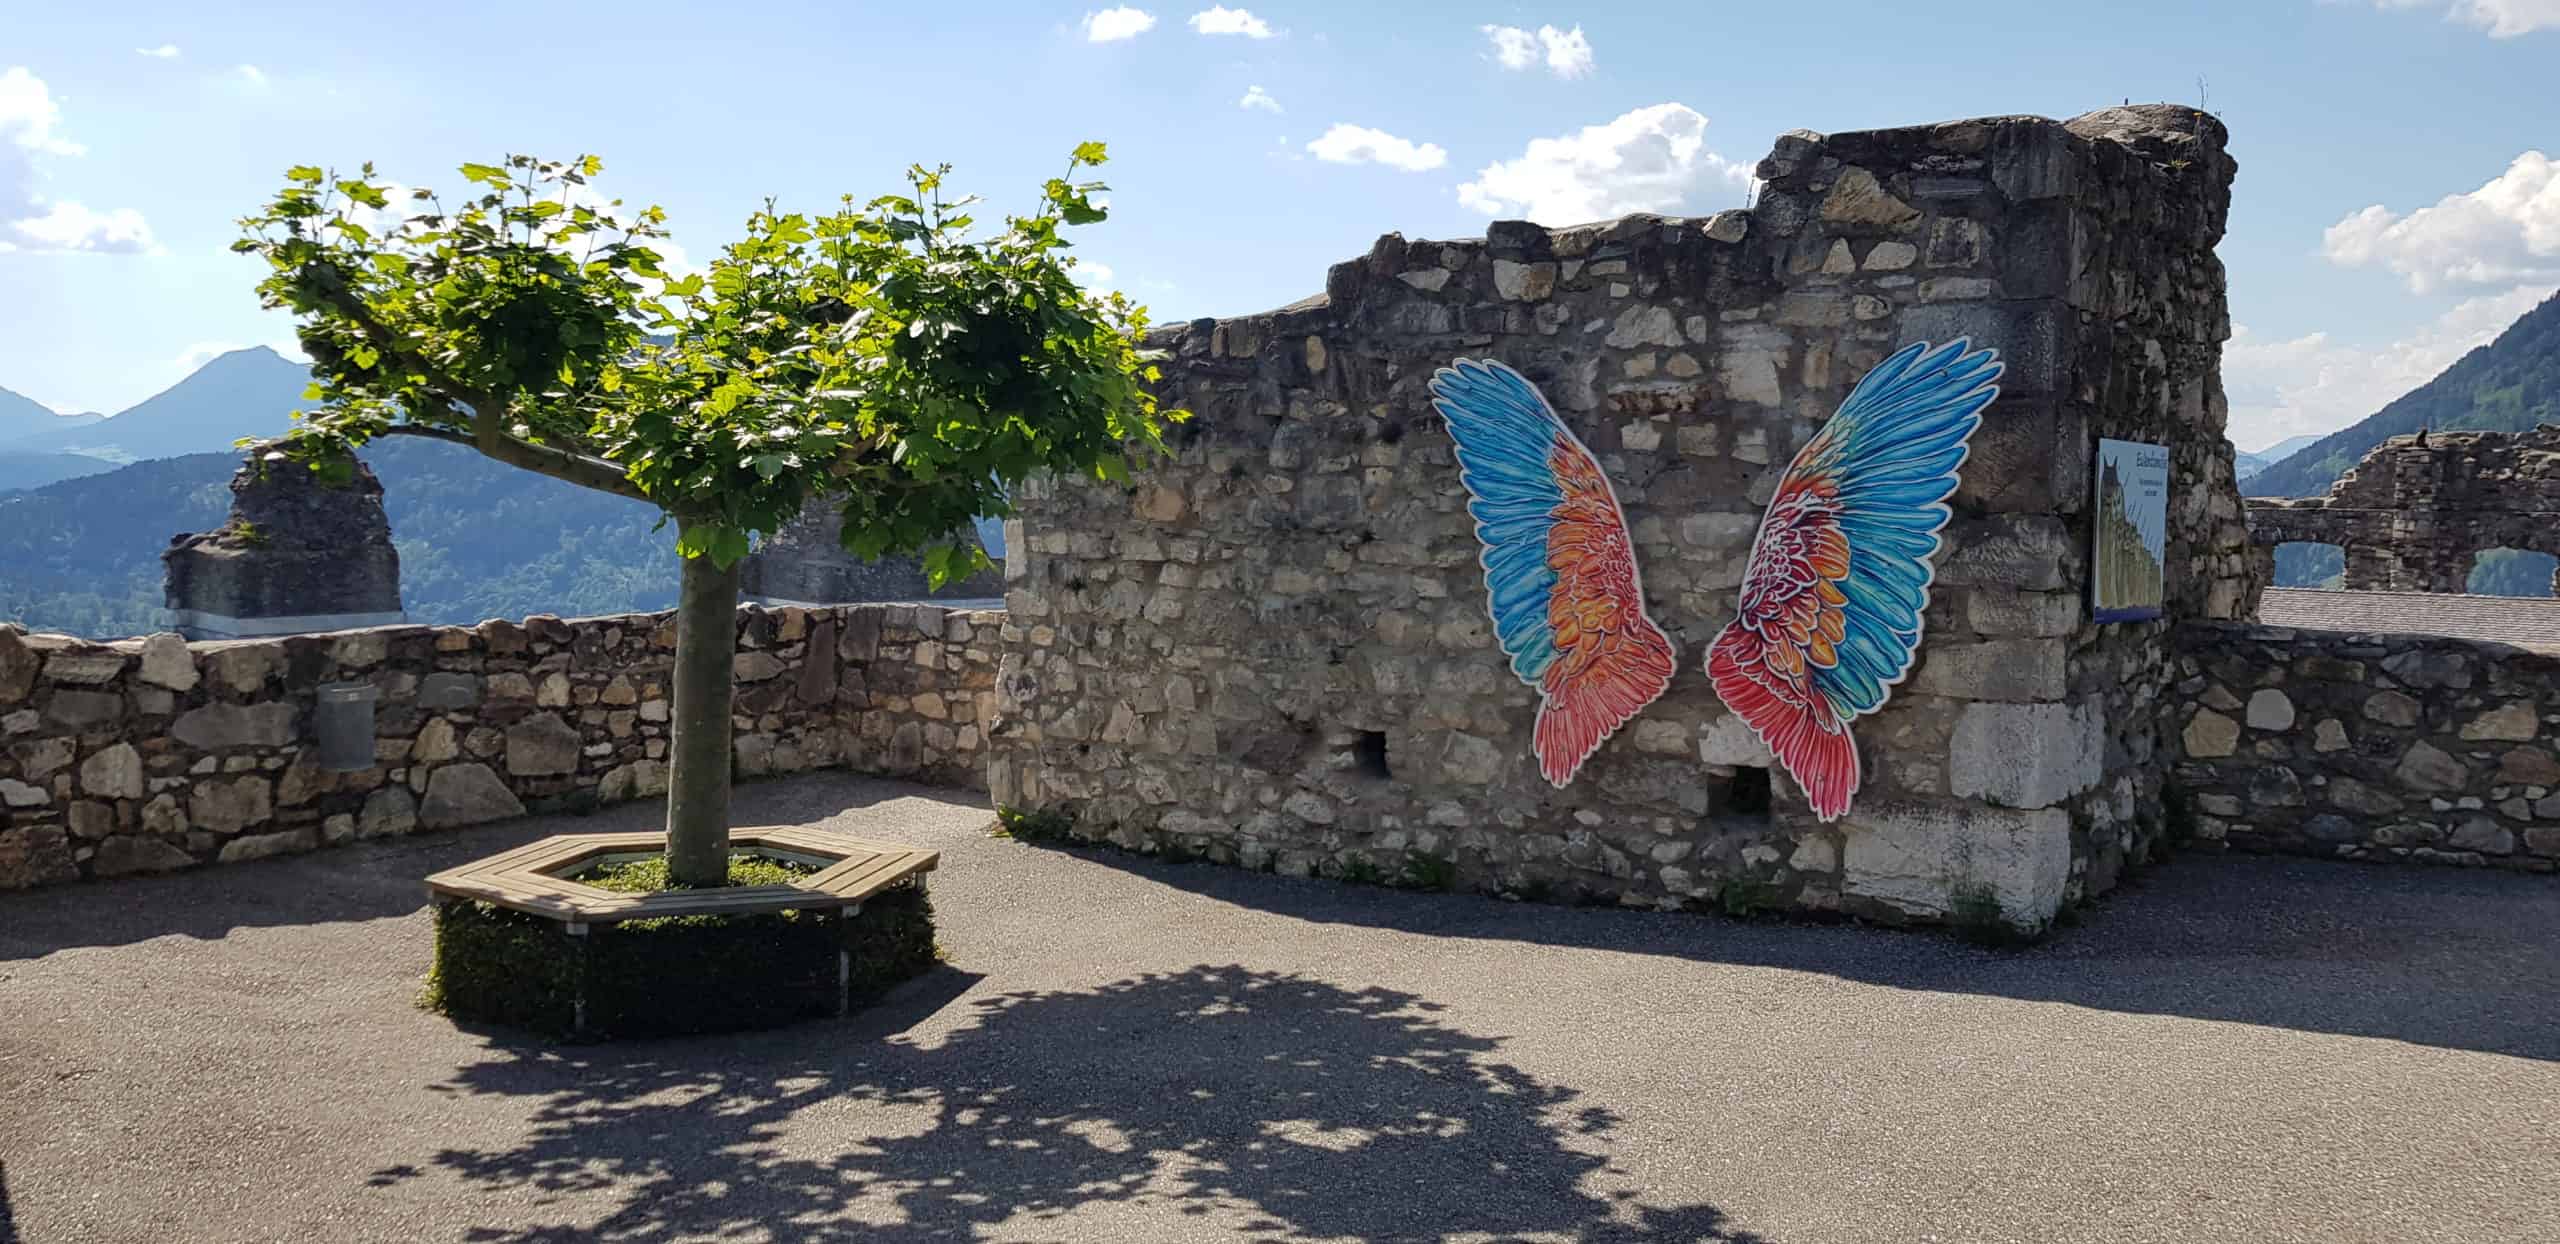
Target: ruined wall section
(156,754)
(2371,747)
(2415,512)
(1273,650)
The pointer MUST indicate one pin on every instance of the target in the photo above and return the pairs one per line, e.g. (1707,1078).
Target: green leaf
(1090,153)
(304,174)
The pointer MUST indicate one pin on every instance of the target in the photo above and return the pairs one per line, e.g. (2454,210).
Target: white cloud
(1566,52)
(2314,385)
(1256,97)
(1222,20)
(30,220)
(1091,273)
(2503,19)
(1112,25)
(249,78)
(1653,159)
(1358,144)
(2505,232)
(67,226)
(28,115)
(166,51)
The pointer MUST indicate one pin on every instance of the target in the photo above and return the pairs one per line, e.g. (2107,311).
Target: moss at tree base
(673,976)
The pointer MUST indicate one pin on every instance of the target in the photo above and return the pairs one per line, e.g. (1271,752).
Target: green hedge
(682,974)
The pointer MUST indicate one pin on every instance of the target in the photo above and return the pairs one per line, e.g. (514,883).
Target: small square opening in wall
(1369,755)
(1739,794)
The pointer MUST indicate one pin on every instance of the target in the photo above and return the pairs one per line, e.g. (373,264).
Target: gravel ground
(2233,1049)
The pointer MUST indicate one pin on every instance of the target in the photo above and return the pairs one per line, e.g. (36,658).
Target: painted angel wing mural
(1839,576)
(1560,577)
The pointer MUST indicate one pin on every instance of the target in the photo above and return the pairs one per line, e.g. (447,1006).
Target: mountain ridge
(2508,385)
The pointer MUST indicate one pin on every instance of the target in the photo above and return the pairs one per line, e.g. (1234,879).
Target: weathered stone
(113,772)
(167,662)
(1731,741)
(164,816)
(2270,709)
(2329,736)
(17,794)
(1858,199)
(2425,767)
(2422,667)
(126,855)
(436,743)
(83,710)
(1929,859)
(388,811)
(261,846)
(757,666)
(2006,669)
(85,669)
(2355,796)
(1466,760)
(448,692)
(2531,766)
(2210,735)
(2391,708)
(18,667)
(2482,834)
(2025,755)
(223,725)
(1521,281)
(38,759)
(2511,723)
(541,744)
(229,805)
(466,794)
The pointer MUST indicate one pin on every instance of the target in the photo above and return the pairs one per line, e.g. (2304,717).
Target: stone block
(2005,669)
(2391,708)
(215,727)
(389,811)
(2270,709)
(2025,755)
(167,662)
(127,855)
(113,773)
(1928,859)
(542,745)
(83,710)
(447,692)
(2210,735)
(260,846)
(229,805)
(1731,741)
(466,794)
(2530,766)
(2426,767)
(2031,552)
(18,667)
(2514,722)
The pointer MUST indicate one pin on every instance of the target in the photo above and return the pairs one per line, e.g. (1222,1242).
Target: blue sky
(2398,198)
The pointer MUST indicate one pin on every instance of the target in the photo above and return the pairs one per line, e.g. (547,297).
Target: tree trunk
(698,783)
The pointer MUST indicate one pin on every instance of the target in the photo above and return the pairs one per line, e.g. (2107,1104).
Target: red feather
(1611,660)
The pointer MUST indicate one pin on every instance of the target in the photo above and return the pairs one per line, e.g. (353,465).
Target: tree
(888,357)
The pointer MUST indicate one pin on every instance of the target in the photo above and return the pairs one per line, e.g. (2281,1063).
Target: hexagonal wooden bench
(535,880)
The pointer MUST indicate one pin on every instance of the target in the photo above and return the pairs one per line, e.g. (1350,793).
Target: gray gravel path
(2234,1049)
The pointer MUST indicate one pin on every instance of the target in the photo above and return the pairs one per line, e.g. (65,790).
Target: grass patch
(1743,898)
(649,876)
(1428,872)
(1035,825)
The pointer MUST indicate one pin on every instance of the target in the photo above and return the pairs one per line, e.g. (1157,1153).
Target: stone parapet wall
(1272,649)
(2370,747)
(156,754)
(2413,515)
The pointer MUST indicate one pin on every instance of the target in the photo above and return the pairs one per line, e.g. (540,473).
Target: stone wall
(1272,648)
(296,555)
(2371,747)
(2413,515)
(154,754)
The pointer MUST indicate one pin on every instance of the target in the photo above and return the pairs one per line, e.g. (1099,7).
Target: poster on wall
(1838,582)
(1560,577)
(2129,546)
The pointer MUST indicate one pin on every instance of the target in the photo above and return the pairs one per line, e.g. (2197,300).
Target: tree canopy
(891,356)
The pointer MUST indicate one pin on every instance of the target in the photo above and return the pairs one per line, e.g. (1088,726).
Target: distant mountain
(22,417)
(2248,463)
(2508,385)
(36,470)
(251,392)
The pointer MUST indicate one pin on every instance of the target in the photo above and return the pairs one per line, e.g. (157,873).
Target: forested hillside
(2508,385)
(477,540)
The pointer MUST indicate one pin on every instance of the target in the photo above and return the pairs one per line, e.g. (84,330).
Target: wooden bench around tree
(535,878)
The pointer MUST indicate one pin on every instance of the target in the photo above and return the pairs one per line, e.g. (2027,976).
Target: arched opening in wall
(2512,572)
(2310,563)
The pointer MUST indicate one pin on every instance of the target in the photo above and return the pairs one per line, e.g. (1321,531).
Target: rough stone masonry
(1272,649)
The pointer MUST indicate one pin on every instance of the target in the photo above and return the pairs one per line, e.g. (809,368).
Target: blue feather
(1892,453)
(1506,436)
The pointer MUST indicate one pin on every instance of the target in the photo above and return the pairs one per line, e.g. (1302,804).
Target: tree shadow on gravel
(1217,1100)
